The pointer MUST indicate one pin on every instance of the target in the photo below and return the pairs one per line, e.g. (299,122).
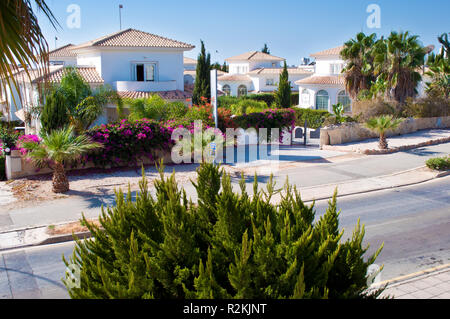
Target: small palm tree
(59,147)
(381,125)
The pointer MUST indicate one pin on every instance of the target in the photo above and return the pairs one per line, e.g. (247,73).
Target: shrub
(295,98)
(55,114)
(367,109)
(333,120)
(272,118)
(315,118)
(247,106)
(2,167)
(268,98)
(431,106)
(126,142)
(229,245)
(8,137)
(227,101)
(439,163)
(26,139)
(155,108)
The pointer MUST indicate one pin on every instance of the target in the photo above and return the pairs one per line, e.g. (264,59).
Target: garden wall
(353,132)
(17,166)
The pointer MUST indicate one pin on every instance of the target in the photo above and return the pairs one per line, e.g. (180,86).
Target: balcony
(136,86)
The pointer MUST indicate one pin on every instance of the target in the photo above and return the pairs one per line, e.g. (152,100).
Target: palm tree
(381,125)
(359,69)
(398,60)
(22,43)
(57,148)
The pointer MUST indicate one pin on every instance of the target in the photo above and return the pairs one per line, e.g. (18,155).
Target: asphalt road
(413,222)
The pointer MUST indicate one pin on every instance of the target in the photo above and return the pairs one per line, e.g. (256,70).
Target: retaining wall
(354,132)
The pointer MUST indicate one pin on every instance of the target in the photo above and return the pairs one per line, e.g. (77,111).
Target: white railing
(135,86)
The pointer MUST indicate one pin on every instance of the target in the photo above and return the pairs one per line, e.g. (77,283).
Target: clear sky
(292,28)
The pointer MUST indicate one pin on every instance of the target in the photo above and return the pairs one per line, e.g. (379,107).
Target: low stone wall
(354,132)
(17,166)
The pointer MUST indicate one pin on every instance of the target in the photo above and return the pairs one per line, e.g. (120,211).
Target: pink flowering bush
(26,139)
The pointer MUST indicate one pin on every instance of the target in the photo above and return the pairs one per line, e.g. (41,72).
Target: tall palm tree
(398,60)
(58,148)
(22,43)
(381,125)
(359,69)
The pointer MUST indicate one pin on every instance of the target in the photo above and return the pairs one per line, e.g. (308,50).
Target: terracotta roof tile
(333,80)
(187,60)
(134,38)
(167,95)
(89,74)
(255,56)
(64,51)
(234,78)
(279,70)
(333,51)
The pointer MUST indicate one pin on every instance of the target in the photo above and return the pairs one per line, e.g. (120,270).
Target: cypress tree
(230,245)
(202,85)
(55,114)
(265,49)
(283,93)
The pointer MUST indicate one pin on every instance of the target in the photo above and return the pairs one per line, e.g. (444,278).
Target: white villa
(135,63)
(257,72)
(326,86)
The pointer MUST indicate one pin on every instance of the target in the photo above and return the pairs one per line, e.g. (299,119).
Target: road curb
(410,277)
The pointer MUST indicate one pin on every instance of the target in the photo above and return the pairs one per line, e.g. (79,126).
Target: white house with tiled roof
(256,72)
(326,86)
(133,62)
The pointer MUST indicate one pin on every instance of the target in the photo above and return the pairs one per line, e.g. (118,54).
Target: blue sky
(292,28)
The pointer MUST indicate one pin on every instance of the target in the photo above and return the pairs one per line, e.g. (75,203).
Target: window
(344,99)
(144,72)
(270,82)
(322,100)
(336,68)
(226,89)
(305,97)
(242,90)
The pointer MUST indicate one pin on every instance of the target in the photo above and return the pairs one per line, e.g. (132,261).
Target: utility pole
(120,15)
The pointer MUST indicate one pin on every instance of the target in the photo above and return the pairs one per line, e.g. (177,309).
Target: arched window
(242,90)
(226,89)
(344,99)
(322,100)
(305,97)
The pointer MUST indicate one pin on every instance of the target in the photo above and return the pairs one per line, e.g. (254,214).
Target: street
(412,221)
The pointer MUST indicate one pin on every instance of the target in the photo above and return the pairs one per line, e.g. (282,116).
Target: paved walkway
(416,139)
(428,284)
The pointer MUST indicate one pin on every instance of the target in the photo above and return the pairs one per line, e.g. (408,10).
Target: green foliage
(265,49)
(247,106)
(433,105)
(439,163)
(75,88)
(315,118)
(283,93)
(367,109)
(439,69)
(2,168)
(8,137)
(229,245)
(268,98)
(60,146)
(338,110)
(333,120)
(202,85)
(225,101)
(155,108)
(383,123)
(55,113)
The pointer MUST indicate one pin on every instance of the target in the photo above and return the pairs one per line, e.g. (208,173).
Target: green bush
(315,118)
(247,106)
(367,109)
(226,101)
(430,106)
(268,98)
(333,120)
(295,98)
(229,245)
(439,163)
(55,114)
(155,108)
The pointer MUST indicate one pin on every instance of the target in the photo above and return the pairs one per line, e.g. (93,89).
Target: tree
(265,49)
(439,69)
(57,148)
(202,85)
(397,60)
(381,125)
(54,114)
(283,93)
(359,71)
(227,245)
(225,67)
(23,44)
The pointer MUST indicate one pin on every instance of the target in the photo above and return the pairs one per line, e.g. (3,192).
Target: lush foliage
(283,93)
(202,85)
(2,167)
(8,137)
(127,142)
(155,108)
(247,106)
(439,69)
(265,49)
(433,105)
(26,139)
(439,163)
(314,118)
(381,125)
(271,118)
(54,115)
(229,245)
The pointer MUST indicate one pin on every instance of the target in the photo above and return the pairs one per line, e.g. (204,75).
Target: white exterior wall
(233,67)
(323,65)
(332,91)
(234,86)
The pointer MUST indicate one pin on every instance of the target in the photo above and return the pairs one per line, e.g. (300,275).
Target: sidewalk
(433,283)
(396,143)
